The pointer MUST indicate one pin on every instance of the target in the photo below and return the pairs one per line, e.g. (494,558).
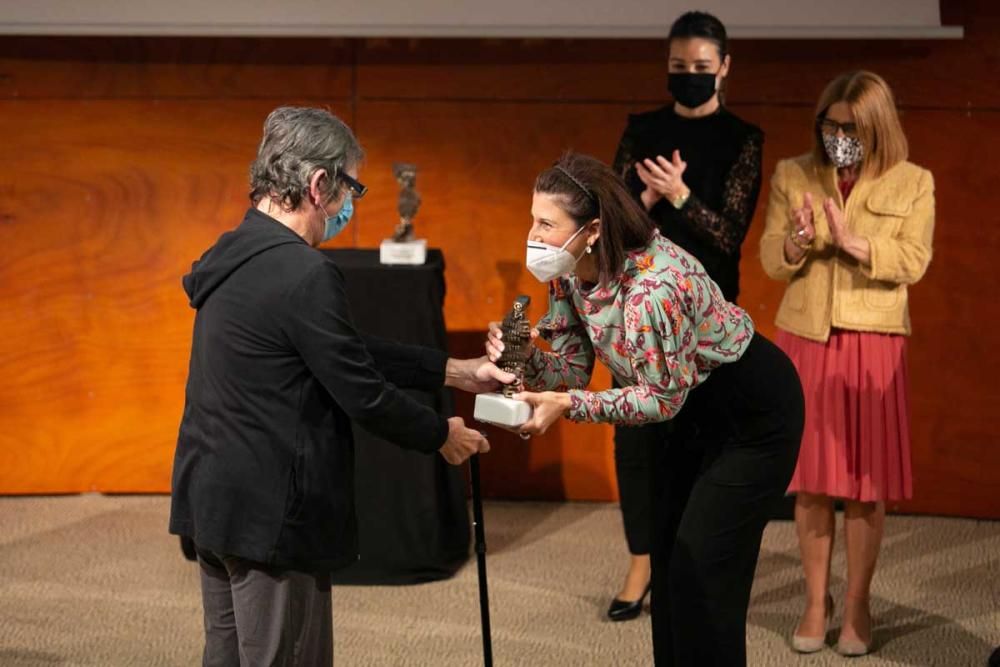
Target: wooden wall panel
(98,68)
(129,156)
(100,220)
(953,353)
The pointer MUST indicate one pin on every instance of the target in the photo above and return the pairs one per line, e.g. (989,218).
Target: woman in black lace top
(696,168)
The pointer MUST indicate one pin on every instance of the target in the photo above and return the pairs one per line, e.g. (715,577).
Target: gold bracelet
(679,201)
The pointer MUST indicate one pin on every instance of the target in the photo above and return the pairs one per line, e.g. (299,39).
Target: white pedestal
(405,252)
(502,411)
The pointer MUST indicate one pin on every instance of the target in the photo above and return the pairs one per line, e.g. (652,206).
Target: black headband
(578,183)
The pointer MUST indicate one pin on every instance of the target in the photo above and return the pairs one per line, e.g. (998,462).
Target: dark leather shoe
(620,610)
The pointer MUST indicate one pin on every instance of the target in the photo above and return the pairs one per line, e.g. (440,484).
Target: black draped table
(413,523)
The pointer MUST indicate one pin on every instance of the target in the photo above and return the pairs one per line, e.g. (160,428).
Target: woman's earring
(589,250)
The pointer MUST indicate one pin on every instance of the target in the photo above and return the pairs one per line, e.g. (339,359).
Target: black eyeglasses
(828,126)
(358,189)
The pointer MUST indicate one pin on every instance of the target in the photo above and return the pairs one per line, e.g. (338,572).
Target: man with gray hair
(263,472)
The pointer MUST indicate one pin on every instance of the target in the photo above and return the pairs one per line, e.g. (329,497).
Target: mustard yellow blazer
(829,288)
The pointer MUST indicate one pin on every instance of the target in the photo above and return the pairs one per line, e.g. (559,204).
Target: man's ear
(315,191)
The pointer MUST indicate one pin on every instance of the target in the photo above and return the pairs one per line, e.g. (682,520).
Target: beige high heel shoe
(802,644)
(853,648)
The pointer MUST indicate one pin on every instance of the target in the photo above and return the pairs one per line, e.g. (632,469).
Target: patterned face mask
(843,151)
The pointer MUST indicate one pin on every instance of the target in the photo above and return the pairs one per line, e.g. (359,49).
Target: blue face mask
(337,223)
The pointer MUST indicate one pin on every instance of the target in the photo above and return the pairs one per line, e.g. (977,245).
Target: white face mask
(548,262)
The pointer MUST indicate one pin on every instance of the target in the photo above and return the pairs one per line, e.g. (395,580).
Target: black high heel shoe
(620,610)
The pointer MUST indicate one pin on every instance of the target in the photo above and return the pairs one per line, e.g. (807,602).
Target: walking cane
(499,409)
(484,595)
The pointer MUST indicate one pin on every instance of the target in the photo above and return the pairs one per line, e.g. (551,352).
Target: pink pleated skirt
(856,443)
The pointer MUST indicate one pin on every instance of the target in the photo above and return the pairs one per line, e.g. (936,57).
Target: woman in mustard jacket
(849,227)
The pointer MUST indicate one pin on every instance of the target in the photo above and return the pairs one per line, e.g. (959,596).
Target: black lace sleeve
(727,228)
(624,162)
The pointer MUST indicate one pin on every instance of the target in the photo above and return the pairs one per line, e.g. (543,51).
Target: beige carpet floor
(95,580)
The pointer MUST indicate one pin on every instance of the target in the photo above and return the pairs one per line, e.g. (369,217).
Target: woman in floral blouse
(622,293)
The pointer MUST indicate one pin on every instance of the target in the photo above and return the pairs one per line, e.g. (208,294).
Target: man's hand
(475,375)
(462,442)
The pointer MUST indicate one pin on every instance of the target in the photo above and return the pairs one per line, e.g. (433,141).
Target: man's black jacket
(264,467)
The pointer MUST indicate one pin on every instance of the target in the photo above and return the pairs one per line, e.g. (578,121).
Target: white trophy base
(403,252)
(499,410)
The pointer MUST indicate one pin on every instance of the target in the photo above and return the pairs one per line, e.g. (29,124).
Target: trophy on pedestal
(403,248)
(500,409)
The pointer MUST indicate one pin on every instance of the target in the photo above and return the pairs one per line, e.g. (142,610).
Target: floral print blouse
(661,328)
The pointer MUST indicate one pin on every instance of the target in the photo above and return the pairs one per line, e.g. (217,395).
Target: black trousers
(633,462)
(728,459)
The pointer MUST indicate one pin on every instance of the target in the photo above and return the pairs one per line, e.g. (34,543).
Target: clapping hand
(835,219)
(662,177)
(856,246)
(803,225)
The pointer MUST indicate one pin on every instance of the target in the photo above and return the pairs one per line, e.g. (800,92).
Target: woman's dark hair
(586,189)
(703,25)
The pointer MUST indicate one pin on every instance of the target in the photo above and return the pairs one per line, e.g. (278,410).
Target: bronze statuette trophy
(403,248)
(500,409)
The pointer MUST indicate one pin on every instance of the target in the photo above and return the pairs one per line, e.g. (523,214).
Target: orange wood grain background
(122,159)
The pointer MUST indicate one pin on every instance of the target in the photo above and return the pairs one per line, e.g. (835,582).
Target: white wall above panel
(780,19)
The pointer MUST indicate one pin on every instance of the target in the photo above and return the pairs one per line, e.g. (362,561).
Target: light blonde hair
(874,109)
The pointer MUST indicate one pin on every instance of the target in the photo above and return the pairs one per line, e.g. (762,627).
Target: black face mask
(691,90)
